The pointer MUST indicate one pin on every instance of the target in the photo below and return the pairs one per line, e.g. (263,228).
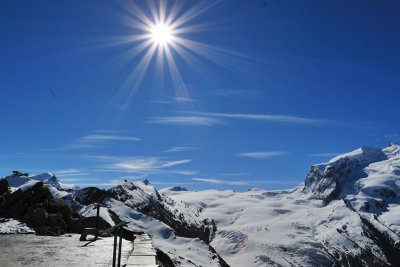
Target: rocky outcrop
(323,182)
(39,210)
(91,195)
(328,181)
(144,198)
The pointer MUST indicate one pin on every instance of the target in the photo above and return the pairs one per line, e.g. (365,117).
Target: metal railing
(118,230)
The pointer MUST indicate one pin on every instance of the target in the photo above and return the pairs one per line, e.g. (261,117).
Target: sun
(161,34)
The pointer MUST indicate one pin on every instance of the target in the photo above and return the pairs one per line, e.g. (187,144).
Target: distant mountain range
(346,213)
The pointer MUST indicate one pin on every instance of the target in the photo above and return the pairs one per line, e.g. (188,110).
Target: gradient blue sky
(288,84)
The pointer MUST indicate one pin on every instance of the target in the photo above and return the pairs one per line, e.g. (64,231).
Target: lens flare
(161,34)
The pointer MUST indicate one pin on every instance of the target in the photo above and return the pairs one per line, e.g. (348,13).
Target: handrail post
(97,221)
(115,247)
(120,246)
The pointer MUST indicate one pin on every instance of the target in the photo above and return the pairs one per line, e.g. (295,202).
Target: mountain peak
(348,174)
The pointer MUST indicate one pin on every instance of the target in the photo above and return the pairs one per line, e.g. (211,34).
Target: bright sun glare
(161,34)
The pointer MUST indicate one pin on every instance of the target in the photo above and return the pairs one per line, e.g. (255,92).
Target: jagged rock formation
(34,204)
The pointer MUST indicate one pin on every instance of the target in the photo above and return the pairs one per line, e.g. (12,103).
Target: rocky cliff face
(341,175)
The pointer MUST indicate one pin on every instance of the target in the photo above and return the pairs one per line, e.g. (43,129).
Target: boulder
(17,210)
(36,217)
(10,199)
(37,194)
(56,220)
(59,206)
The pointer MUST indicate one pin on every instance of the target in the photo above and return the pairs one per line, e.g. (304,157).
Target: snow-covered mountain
(23,180)
(346,213)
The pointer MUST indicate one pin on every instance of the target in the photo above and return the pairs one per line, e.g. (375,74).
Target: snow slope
(347,213)
(24,182)
(10,226)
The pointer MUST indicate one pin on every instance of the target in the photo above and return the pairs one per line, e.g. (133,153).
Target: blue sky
(274,87)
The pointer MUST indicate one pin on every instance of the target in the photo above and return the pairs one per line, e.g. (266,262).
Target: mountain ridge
(346,213)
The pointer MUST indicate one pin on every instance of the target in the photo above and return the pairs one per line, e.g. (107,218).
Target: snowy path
(144,253)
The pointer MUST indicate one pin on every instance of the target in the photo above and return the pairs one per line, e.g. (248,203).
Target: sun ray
(132,83)
(162,33)
(193,12)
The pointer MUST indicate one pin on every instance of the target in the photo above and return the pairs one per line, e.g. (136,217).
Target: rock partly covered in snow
(23,181)
(11,226)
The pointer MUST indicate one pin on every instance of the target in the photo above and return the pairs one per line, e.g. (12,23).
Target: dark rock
(17,210)
(178,188)
(89,195)
(387,193)
(4,187)
(38,193)
(128,233)
(10,199)
(19,174)
(380,204)
(56,220)
(59,206)
(163,260)
(366,207)
(36,217)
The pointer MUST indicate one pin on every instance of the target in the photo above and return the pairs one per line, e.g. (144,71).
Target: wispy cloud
(174,163)
(70,172)
(145,164)
(99,140)
(325,155)
(266,117)
(180,149)
(187,120)
(173,100)
(102,137)
(185,172)
(184,99)
(219,181)
(262,154)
